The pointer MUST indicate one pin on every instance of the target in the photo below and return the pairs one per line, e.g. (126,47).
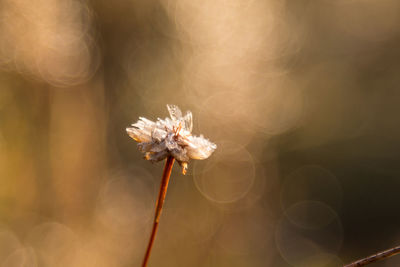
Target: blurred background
(301,97)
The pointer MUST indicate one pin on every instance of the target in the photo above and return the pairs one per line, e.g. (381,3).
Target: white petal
(188,121)
(138,134)
(174,112)
(141,131)
(199,148)
(158,134)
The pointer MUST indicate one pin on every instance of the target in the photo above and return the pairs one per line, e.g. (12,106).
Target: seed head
(170,137)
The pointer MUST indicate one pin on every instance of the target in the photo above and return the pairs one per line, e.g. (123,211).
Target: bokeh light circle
(227,175)
(55,243)
(304,239)
(24,257)
(8,243)
(125,201)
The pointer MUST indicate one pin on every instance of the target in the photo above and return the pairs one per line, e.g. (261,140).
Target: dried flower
(170,137)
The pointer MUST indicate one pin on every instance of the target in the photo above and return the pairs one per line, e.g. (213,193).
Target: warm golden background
(302,98)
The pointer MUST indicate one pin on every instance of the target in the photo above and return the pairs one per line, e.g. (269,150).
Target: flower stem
(376,257)
(159,205)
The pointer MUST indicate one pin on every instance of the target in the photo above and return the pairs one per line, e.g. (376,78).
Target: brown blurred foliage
(300,96)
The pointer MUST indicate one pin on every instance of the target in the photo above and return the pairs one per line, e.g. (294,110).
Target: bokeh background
(302,98)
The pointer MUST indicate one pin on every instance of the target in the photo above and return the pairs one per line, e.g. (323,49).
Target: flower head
(170,137)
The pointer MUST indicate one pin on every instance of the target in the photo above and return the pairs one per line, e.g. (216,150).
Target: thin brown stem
(159,205)
(376,257)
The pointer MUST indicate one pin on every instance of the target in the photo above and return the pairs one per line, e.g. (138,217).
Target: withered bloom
(170,137)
